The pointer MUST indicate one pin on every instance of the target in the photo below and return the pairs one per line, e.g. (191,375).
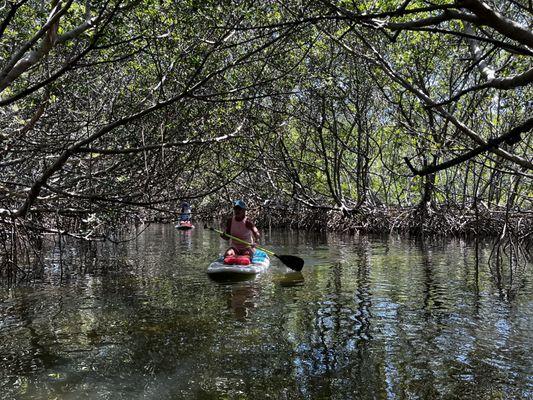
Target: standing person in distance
(185,212)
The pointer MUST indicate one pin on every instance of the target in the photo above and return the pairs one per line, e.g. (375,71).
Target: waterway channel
(367,318)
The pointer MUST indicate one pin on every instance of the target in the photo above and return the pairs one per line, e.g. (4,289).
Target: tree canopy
(113,106)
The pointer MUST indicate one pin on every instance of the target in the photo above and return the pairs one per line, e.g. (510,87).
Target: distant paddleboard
(184,226)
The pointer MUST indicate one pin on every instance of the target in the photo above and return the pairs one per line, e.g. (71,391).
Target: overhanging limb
(511,137)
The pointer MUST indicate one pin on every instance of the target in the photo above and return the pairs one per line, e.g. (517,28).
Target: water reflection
(241,298)
(332,349)
(184,239)
(366,318)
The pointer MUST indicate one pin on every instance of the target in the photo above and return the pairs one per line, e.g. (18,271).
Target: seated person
(241,227)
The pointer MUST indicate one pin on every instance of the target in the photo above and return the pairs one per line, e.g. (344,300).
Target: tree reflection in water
(368,318)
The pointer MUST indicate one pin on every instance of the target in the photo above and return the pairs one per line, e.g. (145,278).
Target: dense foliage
(113,107)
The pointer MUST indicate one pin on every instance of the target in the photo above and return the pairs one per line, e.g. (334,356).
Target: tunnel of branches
(353,116)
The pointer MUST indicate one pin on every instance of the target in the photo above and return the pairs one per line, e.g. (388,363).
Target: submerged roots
(414,220)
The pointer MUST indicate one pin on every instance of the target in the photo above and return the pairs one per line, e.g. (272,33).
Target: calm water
(366,319)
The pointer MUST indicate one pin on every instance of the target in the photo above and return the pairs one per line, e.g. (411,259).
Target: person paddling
(241,227)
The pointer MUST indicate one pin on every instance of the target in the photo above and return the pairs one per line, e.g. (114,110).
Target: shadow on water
(289,279)
(232,278)
(369,318)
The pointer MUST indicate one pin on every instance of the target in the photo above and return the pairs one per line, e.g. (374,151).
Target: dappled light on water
(365,318)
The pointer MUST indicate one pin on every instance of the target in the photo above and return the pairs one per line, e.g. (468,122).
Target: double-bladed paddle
(293,262)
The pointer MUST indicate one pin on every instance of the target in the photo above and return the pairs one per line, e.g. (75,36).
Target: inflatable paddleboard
(259,263)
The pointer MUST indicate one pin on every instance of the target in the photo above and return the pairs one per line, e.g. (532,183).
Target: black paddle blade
(293,262)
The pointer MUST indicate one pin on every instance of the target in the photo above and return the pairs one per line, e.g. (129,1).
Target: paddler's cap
(240,204)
